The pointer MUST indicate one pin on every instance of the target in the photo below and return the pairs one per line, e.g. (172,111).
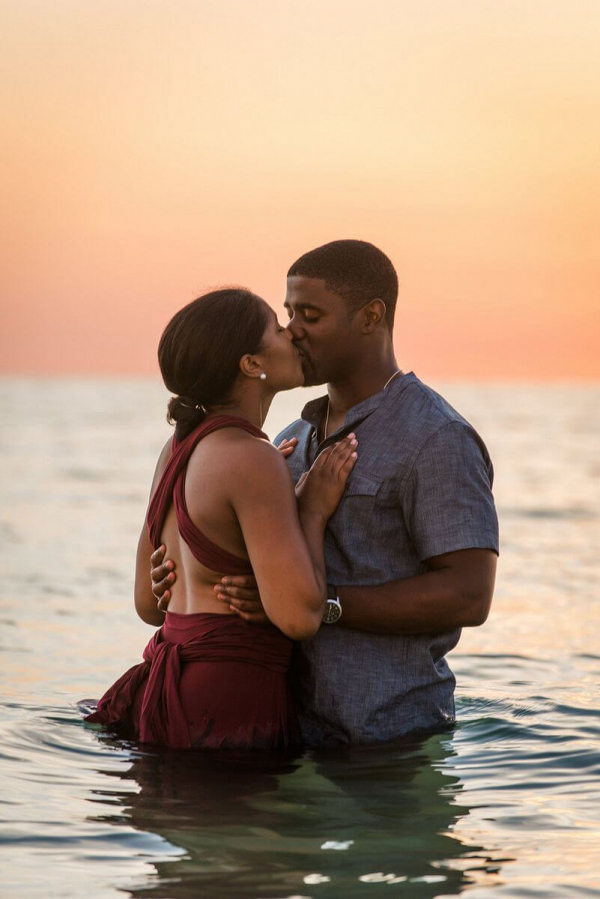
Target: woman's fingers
(347,465)
(287,447)
(348,458)
(343,451)
(323,456)
(331,453)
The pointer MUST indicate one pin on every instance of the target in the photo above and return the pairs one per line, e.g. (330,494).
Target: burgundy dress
(207,680)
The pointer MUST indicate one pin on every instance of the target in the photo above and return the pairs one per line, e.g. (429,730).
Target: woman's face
(281,359)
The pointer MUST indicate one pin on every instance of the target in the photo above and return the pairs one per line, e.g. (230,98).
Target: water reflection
(324,824)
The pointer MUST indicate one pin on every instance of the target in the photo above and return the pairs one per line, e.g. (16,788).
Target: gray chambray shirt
(421,487)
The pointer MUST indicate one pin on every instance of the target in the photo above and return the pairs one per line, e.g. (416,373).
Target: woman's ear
(250,366)
(373,315)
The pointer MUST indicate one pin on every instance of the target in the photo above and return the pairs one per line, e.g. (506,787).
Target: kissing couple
(307,592)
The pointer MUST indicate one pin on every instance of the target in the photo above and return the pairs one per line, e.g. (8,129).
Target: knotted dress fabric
(154,687)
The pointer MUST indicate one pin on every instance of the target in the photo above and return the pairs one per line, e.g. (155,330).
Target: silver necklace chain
(389,381)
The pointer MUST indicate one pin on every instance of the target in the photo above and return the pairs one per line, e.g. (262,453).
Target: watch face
(333,611)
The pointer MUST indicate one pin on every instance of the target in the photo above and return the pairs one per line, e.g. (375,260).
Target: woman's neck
(253,408)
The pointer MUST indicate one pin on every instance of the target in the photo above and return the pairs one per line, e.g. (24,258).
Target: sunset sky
(152,150)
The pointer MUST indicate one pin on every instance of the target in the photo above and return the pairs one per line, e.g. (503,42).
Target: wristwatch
(333,607)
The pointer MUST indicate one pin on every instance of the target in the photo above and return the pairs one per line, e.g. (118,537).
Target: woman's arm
(284,539)
(145,601)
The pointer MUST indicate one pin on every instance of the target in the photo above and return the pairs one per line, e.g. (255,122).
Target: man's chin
(311,376)
(312,380)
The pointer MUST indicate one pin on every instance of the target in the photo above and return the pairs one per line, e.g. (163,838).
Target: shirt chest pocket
(355,519)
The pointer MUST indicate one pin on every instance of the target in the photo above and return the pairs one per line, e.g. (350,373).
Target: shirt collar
(315,411)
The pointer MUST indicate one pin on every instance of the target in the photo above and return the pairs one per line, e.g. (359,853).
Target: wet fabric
(206,680)
(171,489)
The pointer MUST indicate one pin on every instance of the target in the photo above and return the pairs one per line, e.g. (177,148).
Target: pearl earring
(263,376)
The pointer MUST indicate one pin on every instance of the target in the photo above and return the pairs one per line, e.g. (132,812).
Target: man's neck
(367,379)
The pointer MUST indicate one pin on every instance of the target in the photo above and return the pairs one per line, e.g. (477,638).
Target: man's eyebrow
(301,305)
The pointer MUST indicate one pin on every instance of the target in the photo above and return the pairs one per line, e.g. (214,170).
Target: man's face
(321,330)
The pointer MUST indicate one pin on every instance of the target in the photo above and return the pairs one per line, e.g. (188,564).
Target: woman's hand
(287,447)
(319,490)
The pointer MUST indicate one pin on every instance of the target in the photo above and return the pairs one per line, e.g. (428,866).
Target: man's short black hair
(354,269)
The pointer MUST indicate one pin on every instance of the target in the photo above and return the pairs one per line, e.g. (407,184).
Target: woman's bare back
(207,496)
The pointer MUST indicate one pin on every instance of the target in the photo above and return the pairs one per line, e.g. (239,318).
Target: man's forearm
(439,600)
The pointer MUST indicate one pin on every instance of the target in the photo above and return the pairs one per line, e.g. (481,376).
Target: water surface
(504,805)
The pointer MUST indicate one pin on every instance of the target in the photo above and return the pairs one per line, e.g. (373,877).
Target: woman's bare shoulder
(243,459)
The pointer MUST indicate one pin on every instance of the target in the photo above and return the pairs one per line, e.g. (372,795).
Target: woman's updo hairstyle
(200,350)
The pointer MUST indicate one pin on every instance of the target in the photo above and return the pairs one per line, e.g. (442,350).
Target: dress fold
(151,703)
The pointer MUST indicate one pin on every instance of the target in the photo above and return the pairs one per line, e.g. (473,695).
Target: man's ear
(373,314)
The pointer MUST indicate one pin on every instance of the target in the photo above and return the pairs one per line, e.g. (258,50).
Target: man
(411,550)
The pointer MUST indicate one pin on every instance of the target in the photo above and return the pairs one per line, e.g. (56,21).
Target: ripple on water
(439,816)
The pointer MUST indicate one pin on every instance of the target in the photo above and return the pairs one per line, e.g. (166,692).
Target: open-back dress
(207,680)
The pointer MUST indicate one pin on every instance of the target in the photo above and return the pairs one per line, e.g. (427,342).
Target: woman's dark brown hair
(200,350)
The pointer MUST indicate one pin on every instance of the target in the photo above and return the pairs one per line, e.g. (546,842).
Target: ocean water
(507,804)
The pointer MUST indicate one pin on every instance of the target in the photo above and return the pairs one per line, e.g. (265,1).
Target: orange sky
(152,149)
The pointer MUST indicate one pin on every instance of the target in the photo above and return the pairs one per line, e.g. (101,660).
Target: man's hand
(241,595)
(163,577)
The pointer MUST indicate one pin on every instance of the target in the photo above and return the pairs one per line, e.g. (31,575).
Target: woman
(223,502)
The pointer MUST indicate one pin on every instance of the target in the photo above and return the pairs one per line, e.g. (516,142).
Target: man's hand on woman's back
(163,575)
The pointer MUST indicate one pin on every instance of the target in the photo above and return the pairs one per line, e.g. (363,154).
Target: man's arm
(456,592)
(449,512)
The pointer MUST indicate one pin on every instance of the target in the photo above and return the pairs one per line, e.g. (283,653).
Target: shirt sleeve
(448,502)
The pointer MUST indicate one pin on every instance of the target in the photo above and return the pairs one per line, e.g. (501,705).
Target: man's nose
(294,329)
